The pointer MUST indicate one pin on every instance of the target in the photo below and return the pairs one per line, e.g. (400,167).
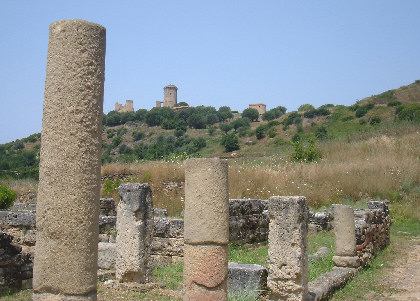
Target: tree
(153,117)
(225,127)
(252,114)
(224,113)
(240,122)
(230,142)
(182,104)
(260,132)
(306,107)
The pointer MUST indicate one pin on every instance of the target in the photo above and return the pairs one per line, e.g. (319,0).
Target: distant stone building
(260,107)
(170,96)
(128,107)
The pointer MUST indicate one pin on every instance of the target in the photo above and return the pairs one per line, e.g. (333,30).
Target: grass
(15,295)
(171,275)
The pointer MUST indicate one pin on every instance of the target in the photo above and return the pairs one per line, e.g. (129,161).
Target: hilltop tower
(169,96)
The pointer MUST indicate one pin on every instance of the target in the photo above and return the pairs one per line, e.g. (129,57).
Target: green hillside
(163,133)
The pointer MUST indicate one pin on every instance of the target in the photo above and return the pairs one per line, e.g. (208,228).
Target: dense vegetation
(204,131)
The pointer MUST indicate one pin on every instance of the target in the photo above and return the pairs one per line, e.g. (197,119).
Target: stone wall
(372,230)
(15,265)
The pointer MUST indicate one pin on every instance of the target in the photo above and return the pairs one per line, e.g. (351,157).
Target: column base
(346,261)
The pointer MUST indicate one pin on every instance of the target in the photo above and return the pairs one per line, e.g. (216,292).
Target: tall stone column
(345,237)
(134,233)
(206,229)
(288,248)
(69,174)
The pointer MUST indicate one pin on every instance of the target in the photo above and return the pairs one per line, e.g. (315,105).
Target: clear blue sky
(217,52)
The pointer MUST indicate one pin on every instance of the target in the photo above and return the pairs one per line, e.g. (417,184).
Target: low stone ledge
(246,278)
(325,285)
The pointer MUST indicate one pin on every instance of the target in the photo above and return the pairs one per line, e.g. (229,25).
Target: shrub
(354,107)
(116,141)
(243,131)
(293,118)
(305,152)
(362,121)
(361,111)
(111,186)
(272,133)
(347,118)
(138,136)
(230,142)
(321,133)
(260,132)
(409,112)
(375,120)
(240,122)
(178,133)
(394,103)
(7,197)
(225,127)
(211,130)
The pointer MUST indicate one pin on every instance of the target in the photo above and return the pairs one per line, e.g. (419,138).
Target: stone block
(287,248)
(346,261)
(107,252)
(206,201)
(134,233)
(344,230)
(250,278)
(205,266)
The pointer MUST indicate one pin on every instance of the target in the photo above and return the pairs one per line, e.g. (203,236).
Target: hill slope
(133,139)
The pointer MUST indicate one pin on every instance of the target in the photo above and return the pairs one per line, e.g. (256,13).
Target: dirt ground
(403,277)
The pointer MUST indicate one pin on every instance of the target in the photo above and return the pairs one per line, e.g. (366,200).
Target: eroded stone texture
(134,233)
(206,230)
(345,237)
(206,201)
(344,230)
(69,173)
(287,248)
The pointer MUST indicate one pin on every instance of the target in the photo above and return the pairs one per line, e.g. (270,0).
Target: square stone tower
(170,96)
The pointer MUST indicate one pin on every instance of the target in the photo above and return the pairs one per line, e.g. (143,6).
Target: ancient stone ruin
(206,231)
(287,248)
(128,107)
(134,233)
(69,173)
(66,225)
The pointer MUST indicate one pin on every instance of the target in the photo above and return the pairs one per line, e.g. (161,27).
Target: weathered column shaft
(345,237)
(206,229)
(288,248)
(134,233)
(69,174)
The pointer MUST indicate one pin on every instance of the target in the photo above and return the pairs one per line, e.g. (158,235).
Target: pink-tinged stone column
(206,230)
(345,237)
(288,248)
(69,174)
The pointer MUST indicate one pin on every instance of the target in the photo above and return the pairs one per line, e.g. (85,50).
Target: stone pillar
(206,229)
(288,248)
(345,237)
(69,173)
(134,233)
